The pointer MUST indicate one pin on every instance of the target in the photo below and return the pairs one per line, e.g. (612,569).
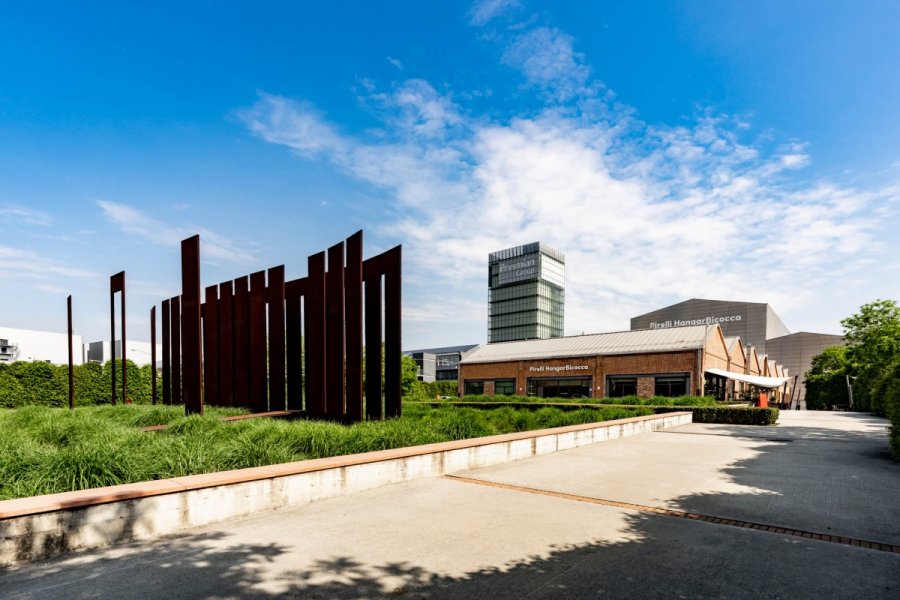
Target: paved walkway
(807,509)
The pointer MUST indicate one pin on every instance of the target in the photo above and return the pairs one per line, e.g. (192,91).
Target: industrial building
(762,332)
(137,352)
(440,364)
(52,347)
(526,293)
(671,361)
(31,345)
(753,322)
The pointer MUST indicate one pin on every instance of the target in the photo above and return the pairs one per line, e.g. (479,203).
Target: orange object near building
(763,401)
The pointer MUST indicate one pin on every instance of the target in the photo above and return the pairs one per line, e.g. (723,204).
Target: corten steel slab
(211,346)
(293,297)
(353,320)
(372,278)
(334,334)
(167,353)
(259,395)
(314,309)
(153,355)
(241,342)
(176,350)
(226,344)
(392,332)
(117,284)
(191,336)
(71,357)
(275,301)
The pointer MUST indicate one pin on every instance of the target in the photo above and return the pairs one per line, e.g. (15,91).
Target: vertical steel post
(259,391)
(392,333)
(226,343)
(372,278)
(191,335)
(241,342)
(314,316)
(354,322)
(334,334)
(71,355)
(153,355)
(167,352)
(275,302)
(176,350)
(293,296)
(211,347)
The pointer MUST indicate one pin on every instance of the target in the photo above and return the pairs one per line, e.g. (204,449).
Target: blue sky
(741,150)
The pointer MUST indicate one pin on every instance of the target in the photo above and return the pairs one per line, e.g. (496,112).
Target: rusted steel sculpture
(117,284)
(270,344)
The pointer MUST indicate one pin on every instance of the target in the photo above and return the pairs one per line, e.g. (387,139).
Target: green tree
(826,380)
(409,376)
(873,344)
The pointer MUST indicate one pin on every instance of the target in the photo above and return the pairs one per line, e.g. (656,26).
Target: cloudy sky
(740,151)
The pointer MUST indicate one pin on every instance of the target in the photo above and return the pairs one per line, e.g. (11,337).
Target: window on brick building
(672,386)
(473,388)
(505,387)
(619,386)
(568,387)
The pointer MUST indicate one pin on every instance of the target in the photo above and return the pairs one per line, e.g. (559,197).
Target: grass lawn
(46,450)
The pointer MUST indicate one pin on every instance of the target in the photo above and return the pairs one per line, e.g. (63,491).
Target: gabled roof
(639,341)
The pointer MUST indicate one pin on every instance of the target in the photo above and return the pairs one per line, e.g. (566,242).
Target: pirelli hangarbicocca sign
(701,321)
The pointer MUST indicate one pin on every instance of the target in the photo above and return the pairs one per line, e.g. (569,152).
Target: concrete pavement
(579,523)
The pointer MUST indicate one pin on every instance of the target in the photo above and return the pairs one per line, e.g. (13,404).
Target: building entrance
(561,387)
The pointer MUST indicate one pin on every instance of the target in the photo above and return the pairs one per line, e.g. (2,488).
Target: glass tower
(526,293)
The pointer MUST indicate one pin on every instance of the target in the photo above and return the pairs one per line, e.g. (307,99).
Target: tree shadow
(659,557)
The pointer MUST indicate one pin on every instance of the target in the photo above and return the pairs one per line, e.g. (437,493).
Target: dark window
(714,385)
(505,387)
(572,387)
(619,387)
(448,375)
(672,385)
(474,388)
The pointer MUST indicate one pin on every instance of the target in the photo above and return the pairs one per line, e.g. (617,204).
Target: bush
(732,415)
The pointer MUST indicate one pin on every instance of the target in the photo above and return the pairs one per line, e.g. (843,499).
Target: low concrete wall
(44,526)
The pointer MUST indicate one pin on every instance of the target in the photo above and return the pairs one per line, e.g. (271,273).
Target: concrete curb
(45,526)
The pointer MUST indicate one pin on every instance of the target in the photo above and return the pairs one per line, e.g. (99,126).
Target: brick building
(665,362)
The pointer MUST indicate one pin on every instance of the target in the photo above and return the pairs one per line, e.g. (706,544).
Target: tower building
(526,293)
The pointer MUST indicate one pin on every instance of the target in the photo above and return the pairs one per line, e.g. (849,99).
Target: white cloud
(12,212)
(645,215)
(547,59)
(137,223)
(396,62)
(487,10)
(17,264)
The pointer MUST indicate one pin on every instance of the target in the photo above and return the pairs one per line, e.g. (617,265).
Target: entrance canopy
(763,382)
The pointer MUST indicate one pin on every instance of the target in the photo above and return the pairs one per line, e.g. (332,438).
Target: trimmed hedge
(726,415)
(733,415)
(39,383)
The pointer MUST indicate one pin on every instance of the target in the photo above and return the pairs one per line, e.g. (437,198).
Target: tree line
(866,366)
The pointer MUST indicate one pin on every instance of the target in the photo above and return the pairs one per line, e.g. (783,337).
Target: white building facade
(30,345)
